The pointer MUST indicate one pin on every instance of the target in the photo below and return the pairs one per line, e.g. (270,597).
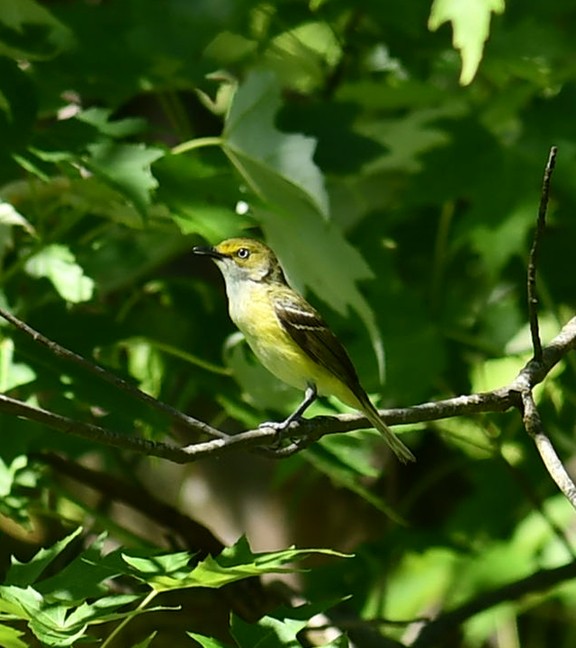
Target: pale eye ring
(243,253)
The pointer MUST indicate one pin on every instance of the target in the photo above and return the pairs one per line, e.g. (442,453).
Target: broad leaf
(268,632)
(126,167)
(170,572)
(24,574)
(471,25)
(58,264)
(277,166)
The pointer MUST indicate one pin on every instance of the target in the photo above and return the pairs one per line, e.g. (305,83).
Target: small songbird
(288,335)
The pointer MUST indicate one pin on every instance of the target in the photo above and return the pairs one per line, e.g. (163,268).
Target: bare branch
(89,431)
(107,376)
(533,258)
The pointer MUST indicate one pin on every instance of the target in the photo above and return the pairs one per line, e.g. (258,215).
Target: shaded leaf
(127,168)
(24,574)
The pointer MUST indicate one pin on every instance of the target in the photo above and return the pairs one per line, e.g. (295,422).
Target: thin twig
(176,415)
(533,258)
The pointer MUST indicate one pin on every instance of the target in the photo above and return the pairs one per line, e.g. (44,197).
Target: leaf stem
(149,597)
(199,142)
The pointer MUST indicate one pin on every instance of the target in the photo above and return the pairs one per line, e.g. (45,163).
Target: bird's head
(241,259)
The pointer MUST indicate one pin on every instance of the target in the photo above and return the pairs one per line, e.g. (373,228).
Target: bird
(288,335)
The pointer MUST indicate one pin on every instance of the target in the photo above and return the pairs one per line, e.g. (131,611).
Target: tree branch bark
(498,400)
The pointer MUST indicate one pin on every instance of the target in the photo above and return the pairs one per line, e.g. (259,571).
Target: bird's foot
(280,427)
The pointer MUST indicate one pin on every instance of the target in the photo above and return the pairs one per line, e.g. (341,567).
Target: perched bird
(288,335)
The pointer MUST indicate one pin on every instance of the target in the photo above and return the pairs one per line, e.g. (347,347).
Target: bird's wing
(307,328)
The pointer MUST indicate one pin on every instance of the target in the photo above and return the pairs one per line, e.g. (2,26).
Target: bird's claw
(280,427)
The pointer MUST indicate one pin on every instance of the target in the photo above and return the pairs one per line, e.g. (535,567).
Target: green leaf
(62,624)
(207,642)
(170,572)
(126,167)
(10,217)
(471,26)
(39,35)
(202,197)
(58,264)
(339,642)
(146,642)
(268,632)
(16,480)
(10,637)
(12,374)
(85,576)
(277,166)
(115,128)
(24,574)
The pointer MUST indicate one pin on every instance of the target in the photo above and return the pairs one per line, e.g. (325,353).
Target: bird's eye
(243,253)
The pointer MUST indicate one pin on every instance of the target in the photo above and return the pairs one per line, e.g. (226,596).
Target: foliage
(392,154)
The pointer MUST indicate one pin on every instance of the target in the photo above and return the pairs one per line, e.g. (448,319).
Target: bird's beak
(209,251)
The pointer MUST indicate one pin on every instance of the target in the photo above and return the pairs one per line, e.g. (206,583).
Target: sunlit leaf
(12,373)
(207,642)
(58,264)
(169,572)
(10,637)
(9,217)
(471,25)
(277,166)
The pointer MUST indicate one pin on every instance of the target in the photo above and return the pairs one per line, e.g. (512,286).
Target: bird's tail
(371,413)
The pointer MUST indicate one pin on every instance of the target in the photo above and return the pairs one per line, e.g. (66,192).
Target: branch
(533,258)
(534,427)
(530,414)
(302,431)
(91,432)
(176,415)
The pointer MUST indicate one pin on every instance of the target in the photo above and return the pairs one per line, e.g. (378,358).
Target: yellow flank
(277,351)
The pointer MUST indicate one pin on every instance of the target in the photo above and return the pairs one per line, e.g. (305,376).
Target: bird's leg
(310,396)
